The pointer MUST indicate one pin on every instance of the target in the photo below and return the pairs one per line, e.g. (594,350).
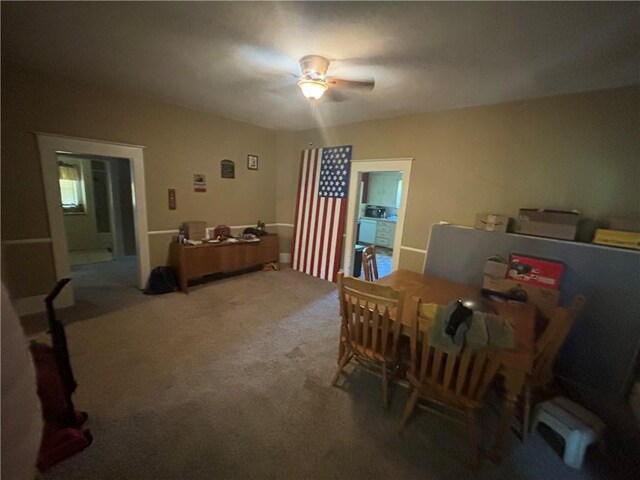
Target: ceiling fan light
(313,89)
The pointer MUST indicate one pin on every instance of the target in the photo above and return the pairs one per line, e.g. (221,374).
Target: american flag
(320,211)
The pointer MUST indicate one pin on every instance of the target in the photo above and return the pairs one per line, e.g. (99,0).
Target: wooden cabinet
(377,231)
(385,234)
(383,188)
(194,261)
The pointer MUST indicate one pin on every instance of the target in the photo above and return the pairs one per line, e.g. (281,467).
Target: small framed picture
(252,162)
(199,182)
(227,169)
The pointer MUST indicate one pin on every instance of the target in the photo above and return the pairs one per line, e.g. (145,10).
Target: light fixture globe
(313,89)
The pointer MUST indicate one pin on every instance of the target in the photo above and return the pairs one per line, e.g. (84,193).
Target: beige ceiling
(236,59)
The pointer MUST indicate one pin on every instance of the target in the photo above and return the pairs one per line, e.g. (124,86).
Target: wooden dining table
(517,362)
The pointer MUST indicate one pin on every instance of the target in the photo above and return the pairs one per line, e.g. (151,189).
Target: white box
(491,222)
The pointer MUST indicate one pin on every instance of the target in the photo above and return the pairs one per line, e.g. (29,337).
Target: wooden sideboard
(195,261)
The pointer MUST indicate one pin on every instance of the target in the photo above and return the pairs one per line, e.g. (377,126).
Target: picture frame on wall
(199,182)
(227,169)
(252,162)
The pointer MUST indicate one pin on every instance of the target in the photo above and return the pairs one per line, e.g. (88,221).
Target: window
(71,188)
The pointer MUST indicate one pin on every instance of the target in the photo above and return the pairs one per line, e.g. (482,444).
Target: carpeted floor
(95,255)
(233,381)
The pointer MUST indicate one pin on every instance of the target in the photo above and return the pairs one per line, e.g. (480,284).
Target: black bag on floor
(161,280)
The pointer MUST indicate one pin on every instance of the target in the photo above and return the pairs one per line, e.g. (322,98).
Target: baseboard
(285,258)
(35,304)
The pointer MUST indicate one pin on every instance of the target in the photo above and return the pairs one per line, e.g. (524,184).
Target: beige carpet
(232,381)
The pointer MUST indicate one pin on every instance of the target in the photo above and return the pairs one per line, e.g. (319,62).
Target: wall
(178,143)
(571,151)
(123,201)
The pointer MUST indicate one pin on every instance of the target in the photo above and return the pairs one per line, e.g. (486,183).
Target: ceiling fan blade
(354,84)
(335,95)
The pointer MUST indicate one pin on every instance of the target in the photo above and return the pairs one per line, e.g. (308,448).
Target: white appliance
(367,230)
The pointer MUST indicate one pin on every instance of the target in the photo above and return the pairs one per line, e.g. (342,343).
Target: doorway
(376,211)
(377,216)
(97,204)
(67,148)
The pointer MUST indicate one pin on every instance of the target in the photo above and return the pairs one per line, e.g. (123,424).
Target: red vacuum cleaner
(62,435)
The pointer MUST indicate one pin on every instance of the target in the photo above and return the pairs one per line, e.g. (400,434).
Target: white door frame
(358,167)
(50,145)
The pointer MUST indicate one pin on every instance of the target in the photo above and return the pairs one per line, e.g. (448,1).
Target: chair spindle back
(369,263)
(463,376)
(552,339)
(368,316)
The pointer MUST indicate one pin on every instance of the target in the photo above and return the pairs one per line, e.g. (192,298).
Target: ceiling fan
(314,81)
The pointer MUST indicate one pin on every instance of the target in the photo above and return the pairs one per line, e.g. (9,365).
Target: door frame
(50,145)
(358,167)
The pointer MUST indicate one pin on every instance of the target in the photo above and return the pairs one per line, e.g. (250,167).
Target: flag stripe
(324,247)
(318,240)
(294,250)
(304,206)
(340,238)
(334,236)
(325,238)
(301,199)
(319,222)
(305,221)
(320,211)
(330,234)
(313,212)
(313,223)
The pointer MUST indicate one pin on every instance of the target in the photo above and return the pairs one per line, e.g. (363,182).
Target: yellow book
(617,238)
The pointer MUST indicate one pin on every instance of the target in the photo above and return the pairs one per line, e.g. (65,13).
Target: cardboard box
(195,230)
(535,271)
(492,222)
(548,223)
(546,299)
(495,269)
(493,273)
(617,238)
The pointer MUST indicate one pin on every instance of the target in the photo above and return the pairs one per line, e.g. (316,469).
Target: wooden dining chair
(368,331)
(370,264)
(546,352)
(457,381)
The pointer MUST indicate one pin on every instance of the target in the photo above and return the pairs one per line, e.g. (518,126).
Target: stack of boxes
(559,224)
(563,225)
(532,221)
